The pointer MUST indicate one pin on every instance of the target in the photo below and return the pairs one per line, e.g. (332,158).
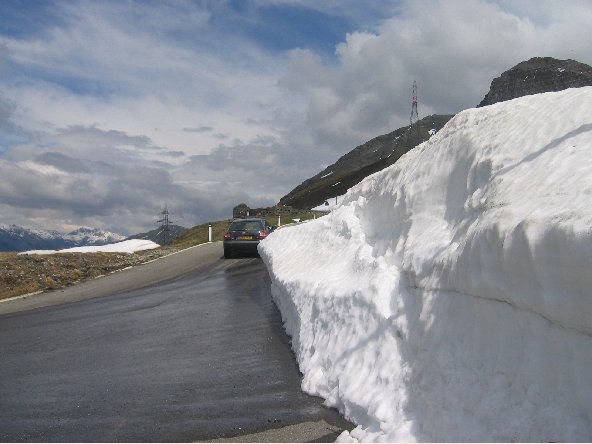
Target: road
(186,348)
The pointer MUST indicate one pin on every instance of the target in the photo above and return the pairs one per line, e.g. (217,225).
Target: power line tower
(165,228)
(414,118)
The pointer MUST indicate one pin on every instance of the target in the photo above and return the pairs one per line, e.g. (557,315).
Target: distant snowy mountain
(93,236)
(15,238)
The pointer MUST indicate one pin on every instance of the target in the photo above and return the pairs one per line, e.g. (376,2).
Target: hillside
(537,75)
(362,161)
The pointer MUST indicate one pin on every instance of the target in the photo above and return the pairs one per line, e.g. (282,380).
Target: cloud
(61,162)
(259,169)
(87,176)
(201,129)
(453,50)
(109,110)
(145,68)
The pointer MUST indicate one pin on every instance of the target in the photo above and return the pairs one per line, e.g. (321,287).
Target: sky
(111,109)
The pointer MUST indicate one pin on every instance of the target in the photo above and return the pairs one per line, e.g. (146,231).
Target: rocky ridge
(535,76)
(365,159)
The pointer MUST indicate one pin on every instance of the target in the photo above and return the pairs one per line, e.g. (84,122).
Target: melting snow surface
(128,246)
(449,297)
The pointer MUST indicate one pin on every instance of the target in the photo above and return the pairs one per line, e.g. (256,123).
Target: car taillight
(226,236)
(263,234)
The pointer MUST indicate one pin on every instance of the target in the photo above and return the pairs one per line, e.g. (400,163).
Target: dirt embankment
(22,274)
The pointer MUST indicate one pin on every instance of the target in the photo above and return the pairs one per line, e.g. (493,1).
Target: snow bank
(332,203)
(128,246)
(449,298)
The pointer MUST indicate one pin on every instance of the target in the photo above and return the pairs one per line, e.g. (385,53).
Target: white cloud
(137,97)
(453,50)
(115,67)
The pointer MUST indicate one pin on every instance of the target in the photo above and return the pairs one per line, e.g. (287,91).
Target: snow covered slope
(93,236)
(449,298)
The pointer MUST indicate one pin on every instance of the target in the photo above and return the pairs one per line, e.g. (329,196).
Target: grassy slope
(199,234)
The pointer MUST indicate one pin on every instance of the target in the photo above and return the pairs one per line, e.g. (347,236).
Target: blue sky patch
(281,28)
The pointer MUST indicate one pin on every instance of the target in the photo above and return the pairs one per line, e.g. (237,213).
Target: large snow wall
(449,298)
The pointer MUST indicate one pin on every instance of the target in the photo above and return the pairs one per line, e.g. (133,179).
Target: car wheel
(227,253)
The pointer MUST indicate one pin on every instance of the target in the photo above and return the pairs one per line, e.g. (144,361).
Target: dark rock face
(538,75)
(366,159)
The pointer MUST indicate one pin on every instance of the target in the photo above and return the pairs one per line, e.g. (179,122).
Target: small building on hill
(280,210)
(240,211)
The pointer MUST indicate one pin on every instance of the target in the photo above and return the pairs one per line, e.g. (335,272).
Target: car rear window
(246,225)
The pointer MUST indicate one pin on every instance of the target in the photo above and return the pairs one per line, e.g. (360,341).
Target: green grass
(288,219)
(199,234)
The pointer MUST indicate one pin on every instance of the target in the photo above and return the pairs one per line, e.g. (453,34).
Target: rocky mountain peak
(538,75)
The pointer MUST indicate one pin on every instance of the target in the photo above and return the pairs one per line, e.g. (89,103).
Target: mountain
(15,238)
(534,76)
(93,236)
(538,75)
(157,234)
(362,161)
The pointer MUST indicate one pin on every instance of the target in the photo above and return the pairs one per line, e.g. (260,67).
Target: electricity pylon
(413,134)
(414,119)
(165,226)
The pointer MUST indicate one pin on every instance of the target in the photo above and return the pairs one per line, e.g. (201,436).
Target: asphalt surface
(187,348)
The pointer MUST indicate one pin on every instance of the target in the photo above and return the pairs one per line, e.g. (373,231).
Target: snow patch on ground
(448,298)
(128,246)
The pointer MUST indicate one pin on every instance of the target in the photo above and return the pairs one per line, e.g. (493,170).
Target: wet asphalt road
(198,356)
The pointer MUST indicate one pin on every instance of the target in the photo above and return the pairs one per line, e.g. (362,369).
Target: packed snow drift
(330,204)
(128,246)
(449,297)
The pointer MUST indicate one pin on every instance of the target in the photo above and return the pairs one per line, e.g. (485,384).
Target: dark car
(244,235)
